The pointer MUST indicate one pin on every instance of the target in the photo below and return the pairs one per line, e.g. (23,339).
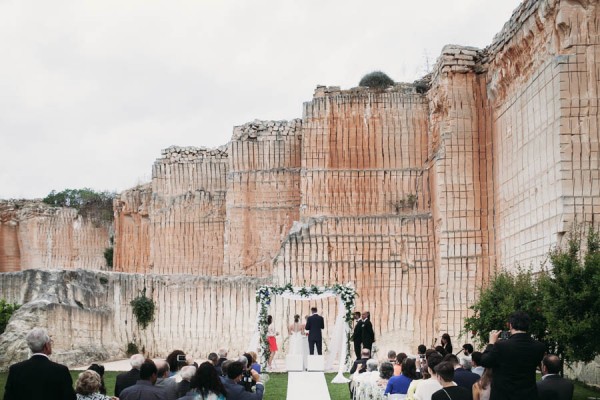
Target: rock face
(416,194)
(36,235)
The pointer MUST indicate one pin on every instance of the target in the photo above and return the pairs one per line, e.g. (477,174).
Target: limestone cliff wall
(263,193)
(542,81)
(90,319)
(35,235)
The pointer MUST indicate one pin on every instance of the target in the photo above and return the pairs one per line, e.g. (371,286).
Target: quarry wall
(416,194)
(36,235)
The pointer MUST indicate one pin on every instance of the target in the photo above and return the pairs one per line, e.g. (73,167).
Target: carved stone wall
(263,193)
(35,235)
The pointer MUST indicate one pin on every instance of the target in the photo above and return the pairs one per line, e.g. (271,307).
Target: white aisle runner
(307,386)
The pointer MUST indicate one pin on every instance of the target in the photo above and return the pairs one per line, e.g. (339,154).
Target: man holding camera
(514,360)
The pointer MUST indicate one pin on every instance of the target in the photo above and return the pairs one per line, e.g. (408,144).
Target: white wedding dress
(298,341)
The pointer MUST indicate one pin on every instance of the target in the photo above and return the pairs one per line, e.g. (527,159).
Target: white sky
(91,91)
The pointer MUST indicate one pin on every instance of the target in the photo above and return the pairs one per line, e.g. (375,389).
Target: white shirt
(427,388)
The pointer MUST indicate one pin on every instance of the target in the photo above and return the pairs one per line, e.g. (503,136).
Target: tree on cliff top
(376,80)
(95,205)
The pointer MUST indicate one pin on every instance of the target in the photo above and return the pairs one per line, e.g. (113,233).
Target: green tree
(6,311)
(376,80)
(506,293)
(95,205)
(571,298)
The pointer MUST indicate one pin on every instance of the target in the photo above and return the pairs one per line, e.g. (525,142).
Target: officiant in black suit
(314,324)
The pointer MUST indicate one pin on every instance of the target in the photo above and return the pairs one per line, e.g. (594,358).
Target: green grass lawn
(276,387)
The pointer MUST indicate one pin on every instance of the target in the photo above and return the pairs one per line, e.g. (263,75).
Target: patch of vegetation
(132,348)
(103,280)
(6,311)
(143,309)
(108,256)
(376,80)
(408,202)
(97,206)
(562,303)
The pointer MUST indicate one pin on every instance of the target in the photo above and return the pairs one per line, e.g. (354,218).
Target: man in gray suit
(553,386)
(234,390)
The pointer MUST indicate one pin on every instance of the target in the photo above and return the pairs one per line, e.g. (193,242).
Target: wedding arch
(340,340)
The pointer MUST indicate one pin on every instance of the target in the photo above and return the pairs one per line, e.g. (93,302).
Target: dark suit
(39,378)
(368,335)
(360,365)
(125,380)
(554,387)
(314,324)
(514,362)
(357,337)
(464,378)
(236,391)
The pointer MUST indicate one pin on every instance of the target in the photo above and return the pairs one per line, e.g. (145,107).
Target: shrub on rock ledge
(376,80)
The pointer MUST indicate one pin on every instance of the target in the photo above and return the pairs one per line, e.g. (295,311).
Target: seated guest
(421,359)
(184,386)
(552,385)
(467,355)
(386,371)
(129,378)
(176,360)
(224,367)
(234,390)
(363,384)
(213,358)
(360,365)
(441,350)
(247,382)
(165,381)
(87,386)
(222,353)
(476,367)
(398,365)
(483,387)
(392,356)
(100,370)
(462,377)
(255,365)
(431,385)
(205,384)
(449,390)
(144,387)
(400,384)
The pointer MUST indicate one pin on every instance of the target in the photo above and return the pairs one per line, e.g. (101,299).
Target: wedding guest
(186,374)
(176,360)
(129,378)
(206,385)
(449,390)
(87,386)
(483,387)
(255,365)
(144,387)
(476,363)
(165,381)
(400,384)
(431,385)
(446,343)
(100,370)
(398,364)
(236,391)
(386,371)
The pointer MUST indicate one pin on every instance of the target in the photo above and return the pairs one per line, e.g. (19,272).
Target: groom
(314,324)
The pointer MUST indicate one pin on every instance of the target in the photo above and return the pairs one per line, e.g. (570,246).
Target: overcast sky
(91,91)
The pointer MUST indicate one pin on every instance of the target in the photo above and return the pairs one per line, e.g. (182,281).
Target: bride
(297,339)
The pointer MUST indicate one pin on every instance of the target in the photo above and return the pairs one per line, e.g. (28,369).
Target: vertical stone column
(462,168)
(263,194)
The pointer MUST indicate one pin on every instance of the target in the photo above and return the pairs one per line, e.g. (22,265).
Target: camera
(180,357)
(247,382)
(504,335)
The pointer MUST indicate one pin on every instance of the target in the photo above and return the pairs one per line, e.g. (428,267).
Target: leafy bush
(376,80)
(506,293)
(132,349)
(562,303)
(89,203)
(6,311)
(572,299)
(143,309)
(108,256)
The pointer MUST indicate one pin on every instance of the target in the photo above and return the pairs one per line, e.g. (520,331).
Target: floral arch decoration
(340,340)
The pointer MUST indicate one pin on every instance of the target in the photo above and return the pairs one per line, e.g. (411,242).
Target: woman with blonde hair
(88,387)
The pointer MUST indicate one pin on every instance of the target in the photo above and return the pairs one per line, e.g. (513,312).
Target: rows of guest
(176,377)
(506,369)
